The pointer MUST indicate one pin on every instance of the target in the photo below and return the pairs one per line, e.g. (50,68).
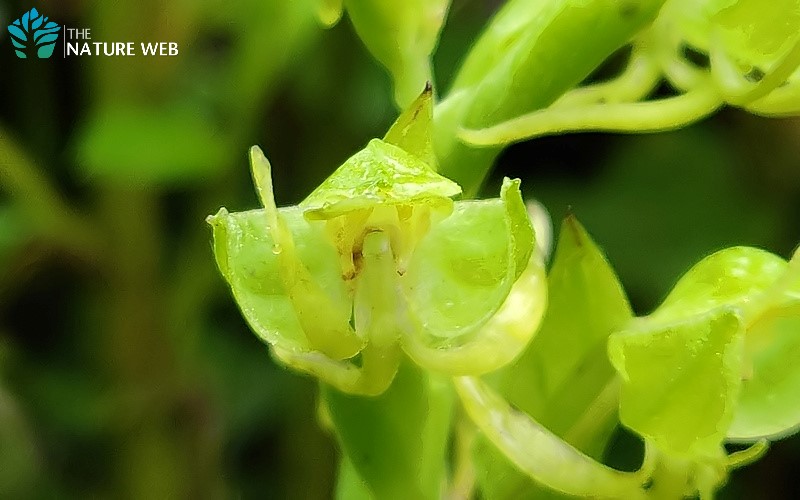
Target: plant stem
(463,482)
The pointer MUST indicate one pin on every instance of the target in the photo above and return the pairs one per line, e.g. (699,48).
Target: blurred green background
(126,370)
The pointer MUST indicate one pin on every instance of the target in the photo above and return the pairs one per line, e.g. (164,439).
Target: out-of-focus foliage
(124,364)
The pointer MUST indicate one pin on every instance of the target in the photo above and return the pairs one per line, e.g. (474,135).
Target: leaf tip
(574,228)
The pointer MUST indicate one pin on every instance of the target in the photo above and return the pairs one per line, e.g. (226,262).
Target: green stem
(670,478)
(466,165)
(463,482)
(652,116)
(136,348)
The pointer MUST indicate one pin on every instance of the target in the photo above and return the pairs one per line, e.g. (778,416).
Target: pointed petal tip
(256,153)
(213,220)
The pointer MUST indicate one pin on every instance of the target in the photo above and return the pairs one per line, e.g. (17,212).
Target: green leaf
(680,380)
(397,442)
(13,232)
(586,304)
(349,485)
(137,145)
(564,379)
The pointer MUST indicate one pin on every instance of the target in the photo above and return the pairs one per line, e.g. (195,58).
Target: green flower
(378,261)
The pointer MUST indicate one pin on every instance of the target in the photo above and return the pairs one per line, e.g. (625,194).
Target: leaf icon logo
(34,35)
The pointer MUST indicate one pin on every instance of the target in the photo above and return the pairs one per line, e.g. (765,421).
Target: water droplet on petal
(276,249)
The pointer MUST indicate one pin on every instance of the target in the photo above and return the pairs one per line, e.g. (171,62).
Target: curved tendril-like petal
(326,326)
(665,44)
(637,80)
(726,72)
(783,101)
(650,116)
(680,74)
(749,455)
(372,378)
(539,453)
(374,310)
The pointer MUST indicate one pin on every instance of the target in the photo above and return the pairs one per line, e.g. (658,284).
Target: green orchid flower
(380,261)
(753,62)
(716,362)
(753,48)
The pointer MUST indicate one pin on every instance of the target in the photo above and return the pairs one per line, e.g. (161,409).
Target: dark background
(125,367)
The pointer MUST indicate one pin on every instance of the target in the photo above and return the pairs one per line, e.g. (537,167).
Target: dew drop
(276,249)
